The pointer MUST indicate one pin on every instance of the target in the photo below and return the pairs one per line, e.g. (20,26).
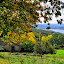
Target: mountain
(59,28)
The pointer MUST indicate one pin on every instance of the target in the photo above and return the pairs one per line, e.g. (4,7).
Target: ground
(28,58)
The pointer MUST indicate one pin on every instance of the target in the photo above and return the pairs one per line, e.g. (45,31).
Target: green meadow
(29,58)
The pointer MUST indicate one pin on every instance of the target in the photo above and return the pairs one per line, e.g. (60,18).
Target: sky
(53,18)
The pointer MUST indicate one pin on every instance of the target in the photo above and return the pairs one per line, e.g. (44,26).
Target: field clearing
(28,58)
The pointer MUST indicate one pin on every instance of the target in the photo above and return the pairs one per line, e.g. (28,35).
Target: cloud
(62,0)
(54,19)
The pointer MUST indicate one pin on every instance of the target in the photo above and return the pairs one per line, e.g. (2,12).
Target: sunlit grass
(12,58)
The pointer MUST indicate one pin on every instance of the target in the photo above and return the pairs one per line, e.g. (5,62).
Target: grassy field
(19,58)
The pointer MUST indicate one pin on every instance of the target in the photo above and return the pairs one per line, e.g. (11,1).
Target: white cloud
(53,18)
(62,0)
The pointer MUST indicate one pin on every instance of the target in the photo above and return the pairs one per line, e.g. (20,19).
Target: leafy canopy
(19,16)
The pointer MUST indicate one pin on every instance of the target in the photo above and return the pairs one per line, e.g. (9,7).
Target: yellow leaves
(28,1)
(12,16)
(30,34)
(49,36)
(33,40)
(9,33)
(23,36)
(5,36)
(10,43)
(45,39)
(1,32)
(20,31)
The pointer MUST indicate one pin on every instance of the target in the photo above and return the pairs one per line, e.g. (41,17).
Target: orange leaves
(17,27)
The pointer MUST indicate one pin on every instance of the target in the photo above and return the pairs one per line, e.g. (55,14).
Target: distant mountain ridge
(54,27)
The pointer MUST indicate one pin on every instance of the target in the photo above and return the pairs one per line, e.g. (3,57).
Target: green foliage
(27,47)
(57,39)
(43,48)
(37,49)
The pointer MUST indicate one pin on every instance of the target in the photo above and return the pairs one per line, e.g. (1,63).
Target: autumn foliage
(17,18)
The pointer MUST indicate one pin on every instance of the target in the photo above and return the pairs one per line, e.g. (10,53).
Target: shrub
(27,47)
(37,48)
(43,48)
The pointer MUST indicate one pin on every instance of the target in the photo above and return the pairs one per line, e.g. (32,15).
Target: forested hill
(43,32)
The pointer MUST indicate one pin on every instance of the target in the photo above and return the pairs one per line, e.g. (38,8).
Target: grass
(13,58)
(59,53)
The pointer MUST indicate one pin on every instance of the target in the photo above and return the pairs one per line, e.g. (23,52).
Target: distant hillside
(52,26)
(43,32)
(58,28)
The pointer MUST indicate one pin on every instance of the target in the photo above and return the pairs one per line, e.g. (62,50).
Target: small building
(9,47)
(12,48)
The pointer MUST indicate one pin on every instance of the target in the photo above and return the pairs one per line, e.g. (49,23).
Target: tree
(57,39)
(43,48)
(19,16)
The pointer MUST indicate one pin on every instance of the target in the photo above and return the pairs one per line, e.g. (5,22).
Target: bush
(37,48)
(27,47)
(44,48)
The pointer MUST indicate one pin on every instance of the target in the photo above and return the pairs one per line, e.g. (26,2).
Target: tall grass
(57,58)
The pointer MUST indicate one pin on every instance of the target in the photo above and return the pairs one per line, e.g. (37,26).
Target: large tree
(17,17)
